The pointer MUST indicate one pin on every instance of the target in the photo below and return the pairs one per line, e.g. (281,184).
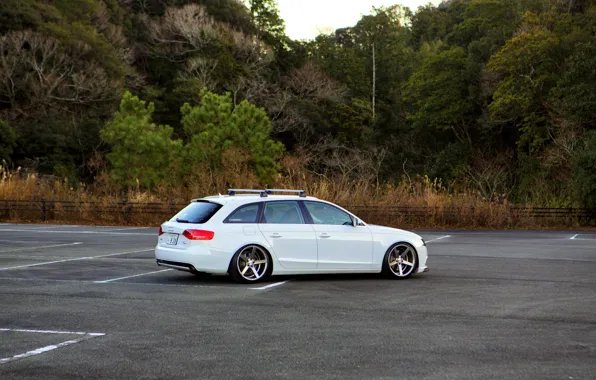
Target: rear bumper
(176,265)
(199,259)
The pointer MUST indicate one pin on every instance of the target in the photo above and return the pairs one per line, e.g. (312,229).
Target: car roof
(250,198)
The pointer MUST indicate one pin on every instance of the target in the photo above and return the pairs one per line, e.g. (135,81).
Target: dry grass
(100,203)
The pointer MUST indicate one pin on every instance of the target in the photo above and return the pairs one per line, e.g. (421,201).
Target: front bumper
(422,258)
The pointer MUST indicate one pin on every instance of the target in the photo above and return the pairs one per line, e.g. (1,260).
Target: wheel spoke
(252,253)
(407,263)
(245,269)
(392,263)
(255,272)
(241,257)
(260,262)
(405,252)
(401,272)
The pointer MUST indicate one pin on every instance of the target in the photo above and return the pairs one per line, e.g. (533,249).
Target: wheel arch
(272,259)
(396,243)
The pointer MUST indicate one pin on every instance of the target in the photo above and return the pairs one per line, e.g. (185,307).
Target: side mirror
(355,222)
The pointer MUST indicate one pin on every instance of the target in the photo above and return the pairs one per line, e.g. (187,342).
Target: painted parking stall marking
(40,247)
(134,275)
(74,259)
(439,238)
(583,237)
(270,285)
(51,347)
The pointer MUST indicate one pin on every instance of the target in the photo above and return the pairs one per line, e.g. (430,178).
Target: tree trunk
(374,81)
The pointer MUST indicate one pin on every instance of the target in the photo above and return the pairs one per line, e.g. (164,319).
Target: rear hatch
(189,225)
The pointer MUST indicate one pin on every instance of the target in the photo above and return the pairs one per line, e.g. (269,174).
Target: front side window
(197,212)
(282,213)
(323,213)
(244,214)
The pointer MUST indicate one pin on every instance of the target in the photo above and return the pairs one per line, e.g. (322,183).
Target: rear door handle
(324,236)
(275,235)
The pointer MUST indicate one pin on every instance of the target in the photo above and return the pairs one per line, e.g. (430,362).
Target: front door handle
(276,235)
(324,236)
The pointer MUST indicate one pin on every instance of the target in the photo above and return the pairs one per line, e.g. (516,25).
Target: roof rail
(301,193)
(264,193)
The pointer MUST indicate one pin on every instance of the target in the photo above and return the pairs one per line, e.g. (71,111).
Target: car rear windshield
(197,212)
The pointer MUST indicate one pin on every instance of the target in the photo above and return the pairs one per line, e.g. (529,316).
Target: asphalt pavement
(89,302)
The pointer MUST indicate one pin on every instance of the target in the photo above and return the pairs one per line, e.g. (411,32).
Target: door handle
(275,235)
(324,236)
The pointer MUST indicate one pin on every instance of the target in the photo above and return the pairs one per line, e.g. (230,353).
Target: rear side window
(244,214)
(197,212)
(282,213)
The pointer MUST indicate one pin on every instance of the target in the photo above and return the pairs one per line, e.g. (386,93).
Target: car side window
(322,213)
(244,214)
(282,213)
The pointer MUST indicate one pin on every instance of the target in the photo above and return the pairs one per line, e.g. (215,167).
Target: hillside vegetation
(484,101)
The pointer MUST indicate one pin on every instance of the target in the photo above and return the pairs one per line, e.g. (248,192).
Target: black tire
(402,249)
(251,264)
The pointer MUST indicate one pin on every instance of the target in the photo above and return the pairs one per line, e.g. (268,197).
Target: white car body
(294,248)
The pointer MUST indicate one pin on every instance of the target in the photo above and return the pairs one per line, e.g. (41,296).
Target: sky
(305,18)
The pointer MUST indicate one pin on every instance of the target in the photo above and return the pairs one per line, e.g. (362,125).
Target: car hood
(375,229)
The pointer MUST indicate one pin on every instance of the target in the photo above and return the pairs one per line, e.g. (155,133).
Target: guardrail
(155,213)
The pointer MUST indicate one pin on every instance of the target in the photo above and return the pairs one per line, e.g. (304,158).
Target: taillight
(160,231)
(198,234)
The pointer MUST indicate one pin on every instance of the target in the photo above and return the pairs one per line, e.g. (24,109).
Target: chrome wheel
(252,263)
(401,260)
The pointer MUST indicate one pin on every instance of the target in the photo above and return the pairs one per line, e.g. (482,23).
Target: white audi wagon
(252,234)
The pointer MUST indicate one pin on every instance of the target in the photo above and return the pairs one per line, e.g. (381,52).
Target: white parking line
(51,347)
(119,283)
(573,237)
(73,259)
(43,246)
(40,350)
(270,285)
(53,332)
(126,229)
(439,238)
(75,232)
(136,275)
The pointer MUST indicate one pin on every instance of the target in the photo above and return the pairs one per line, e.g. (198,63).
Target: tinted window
(323,213)
(244,214)
(282,213)
(197,212)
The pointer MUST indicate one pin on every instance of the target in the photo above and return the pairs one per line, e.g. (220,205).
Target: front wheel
(250,264)
(401,261)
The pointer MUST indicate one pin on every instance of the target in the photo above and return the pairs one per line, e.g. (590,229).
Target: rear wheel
(401,261)
(250,264)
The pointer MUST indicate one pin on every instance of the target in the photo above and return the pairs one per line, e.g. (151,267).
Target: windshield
(197,212)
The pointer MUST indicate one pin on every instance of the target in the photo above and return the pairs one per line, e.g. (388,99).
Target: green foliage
(575,93)
(438,92)
(142,153)
(216,126)
(584,171)
(472,91)
(266,18)
(8,139)
(528,65)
